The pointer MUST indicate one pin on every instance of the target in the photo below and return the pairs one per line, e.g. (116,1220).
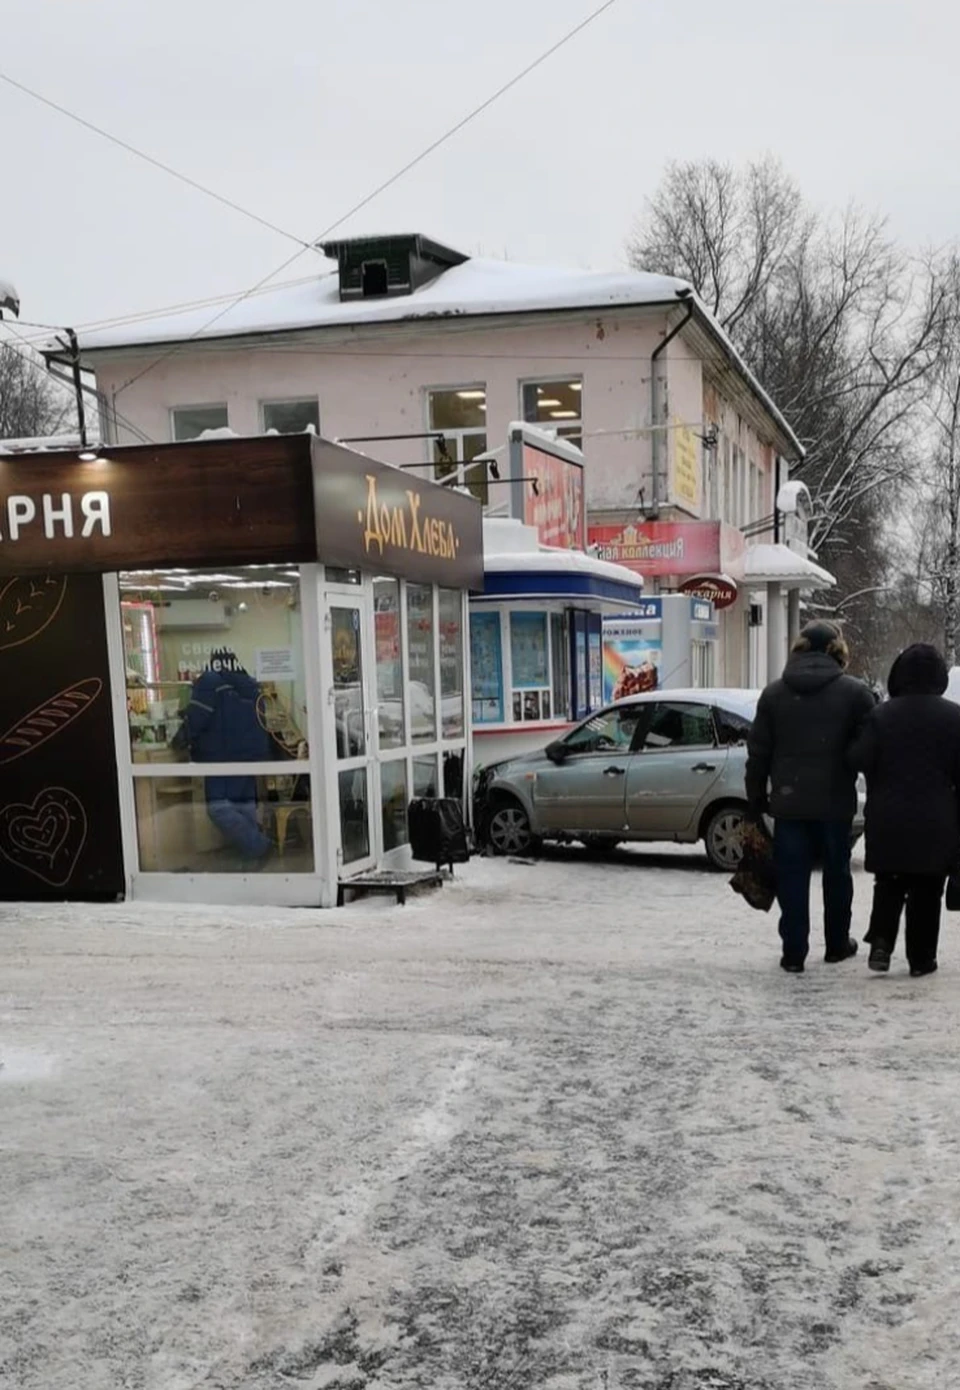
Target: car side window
(610,730)
(731,728)
(676,724)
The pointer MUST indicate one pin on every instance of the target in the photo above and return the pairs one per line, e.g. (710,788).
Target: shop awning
(778,564)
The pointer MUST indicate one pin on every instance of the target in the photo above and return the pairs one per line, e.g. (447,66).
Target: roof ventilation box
(385,267)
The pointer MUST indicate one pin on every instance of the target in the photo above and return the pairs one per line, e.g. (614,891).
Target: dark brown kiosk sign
(372,516)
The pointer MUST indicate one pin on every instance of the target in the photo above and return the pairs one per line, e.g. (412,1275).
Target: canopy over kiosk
(225,667)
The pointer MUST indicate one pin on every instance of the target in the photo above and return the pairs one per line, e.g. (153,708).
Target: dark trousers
(798,847)
(922,894)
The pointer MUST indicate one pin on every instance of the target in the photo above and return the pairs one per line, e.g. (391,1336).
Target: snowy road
(564,1125)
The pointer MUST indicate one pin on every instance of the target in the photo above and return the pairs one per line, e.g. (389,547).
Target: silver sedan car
(668,765)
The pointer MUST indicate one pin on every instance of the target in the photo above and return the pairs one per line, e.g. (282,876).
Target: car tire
(599,844)
(508,829)
(721,837)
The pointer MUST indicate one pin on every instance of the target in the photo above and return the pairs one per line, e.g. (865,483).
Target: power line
(382,187)
(156,163)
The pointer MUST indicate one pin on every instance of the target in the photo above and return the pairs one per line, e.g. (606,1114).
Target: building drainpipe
(658,433)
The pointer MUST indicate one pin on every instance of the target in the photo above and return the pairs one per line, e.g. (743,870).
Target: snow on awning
(778,564)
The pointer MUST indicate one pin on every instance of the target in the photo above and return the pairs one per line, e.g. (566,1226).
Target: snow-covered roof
(510,547)
(778,564)
(789,496)
(478,287)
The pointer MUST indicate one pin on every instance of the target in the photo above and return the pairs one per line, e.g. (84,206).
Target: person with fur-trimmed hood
(909,750)
(798,772)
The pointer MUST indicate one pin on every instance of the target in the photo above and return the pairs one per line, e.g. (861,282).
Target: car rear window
(732,728)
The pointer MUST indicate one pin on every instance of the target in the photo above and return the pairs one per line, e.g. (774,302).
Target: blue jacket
(223,726)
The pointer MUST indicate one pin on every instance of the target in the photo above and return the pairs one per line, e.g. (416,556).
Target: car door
(586,791)
(671,776)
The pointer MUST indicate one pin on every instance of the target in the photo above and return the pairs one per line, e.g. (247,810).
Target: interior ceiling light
(550,401)
(472,395)
(564,414)
(576,386)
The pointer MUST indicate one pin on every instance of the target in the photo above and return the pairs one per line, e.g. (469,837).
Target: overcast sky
(298,108)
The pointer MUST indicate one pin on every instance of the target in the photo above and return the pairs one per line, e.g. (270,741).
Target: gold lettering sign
(402,526)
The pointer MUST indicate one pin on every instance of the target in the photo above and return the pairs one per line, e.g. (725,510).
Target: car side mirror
(556,751)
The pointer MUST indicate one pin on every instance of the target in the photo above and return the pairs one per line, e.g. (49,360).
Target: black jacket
(909,749)
(801,735)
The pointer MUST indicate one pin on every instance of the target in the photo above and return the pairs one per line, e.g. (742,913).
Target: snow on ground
(558,1125)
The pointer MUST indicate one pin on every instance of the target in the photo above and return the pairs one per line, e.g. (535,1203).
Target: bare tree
(843,329)
(939,544)
(31,403)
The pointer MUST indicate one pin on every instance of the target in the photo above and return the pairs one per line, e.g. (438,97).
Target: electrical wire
(382,187)
(150,159)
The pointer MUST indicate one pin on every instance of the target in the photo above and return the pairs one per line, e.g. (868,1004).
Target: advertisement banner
(632,657)
(661,547)
(557,508)
(685,469)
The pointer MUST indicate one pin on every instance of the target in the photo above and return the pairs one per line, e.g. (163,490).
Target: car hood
(508,766)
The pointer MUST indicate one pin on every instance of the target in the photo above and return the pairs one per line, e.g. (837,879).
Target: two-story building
(430,354)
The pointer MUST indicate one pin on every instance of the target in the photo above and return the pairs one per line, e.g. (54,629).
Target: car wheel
(599,844)
(508,829)
(723,838)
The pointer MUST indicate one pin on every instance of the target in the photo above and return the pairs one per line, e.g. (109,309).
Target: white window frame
(456,436)
(202,405)
(286,400)
(563,427)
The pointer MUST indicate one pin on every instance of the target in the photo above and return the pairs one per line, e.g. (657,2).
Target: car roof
(734,699)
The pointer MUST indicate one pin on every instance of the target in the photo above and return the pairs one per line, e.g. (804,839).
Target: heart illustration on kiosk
(46,837)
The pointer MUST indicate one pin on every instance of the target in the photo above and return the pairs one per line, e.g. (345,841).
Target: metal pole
(776,646)
(77,385)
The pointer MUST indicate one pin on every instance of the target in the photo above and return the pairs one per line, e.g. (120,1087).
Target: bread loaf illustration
(27,606)
(48,719)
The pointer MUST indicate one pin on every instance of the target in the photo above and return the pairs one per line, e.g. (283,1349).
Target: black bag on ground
(755,879)
(953,893)
(438,834)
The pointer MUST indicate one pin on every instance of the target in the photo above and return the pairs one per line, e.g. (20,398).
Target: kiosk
(536,638)
(226,667)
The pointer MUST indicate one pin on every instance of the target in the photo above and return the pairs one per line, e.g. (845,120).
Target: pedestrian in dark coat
(798,771)
(909,750)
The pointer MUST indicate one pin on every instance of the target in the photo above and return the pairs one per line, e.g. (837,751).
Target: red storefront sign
(661,547)
(557,507)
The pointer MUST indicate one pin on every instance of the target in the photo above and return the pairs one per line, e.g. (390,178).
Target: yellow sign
(685,473)
(403,526)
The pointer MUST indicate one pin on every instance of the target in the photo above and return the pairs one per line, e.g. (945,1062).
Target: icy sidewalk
(563,1125)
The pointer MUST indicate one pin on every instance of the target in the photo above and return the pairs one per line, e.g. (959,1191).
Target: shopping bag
(953,893)
(755,879)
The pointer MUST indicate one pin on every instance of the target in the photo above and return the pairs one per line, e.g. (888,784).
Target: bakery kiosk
(226,667)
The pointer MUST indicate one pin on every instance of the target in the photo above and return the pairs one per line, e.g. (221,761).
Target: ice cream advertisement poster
(632,655)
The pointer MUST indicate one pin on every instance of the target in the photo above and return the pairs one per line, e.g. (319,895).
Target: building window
(557,404)
(460,414)
(190,421)
(291,417)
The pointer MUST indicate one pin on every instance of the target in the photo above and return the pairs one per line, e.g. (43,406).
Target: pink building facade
(447,352)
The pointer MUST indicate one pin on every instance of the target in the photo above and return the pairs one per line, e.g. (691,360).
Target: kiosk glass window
(393,802)
(214,664)
(530,666)
(425,781)
(258,823)
(389,654)
(486,668)
(420,663)
(450,609)
(560,664)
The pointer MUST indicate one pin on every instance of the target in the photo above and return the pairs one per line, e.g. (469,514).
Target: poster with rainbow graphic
(632,654)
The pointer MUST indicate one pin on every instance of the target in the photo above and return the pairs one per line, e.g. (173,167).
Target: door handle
(613,772)
(704,767)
